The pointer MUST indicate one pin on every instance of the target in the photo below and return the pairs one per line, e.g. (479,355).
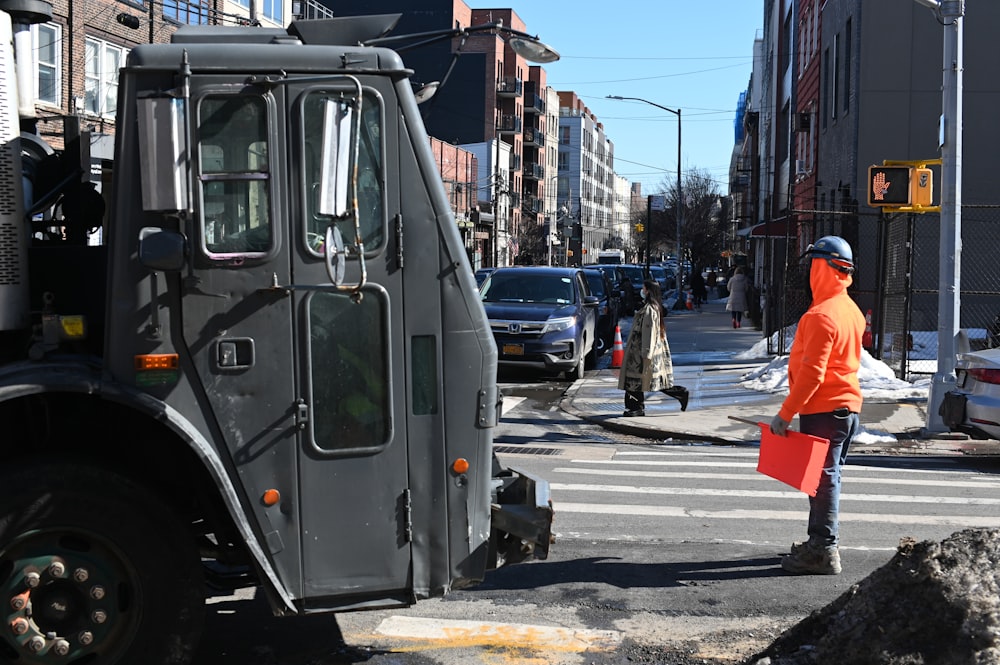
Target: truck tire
(94,567)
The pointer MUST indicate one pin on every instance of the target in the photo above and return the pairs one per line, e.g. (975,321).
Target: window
(194,12)
(270,9)
(847,66)
(835,77)
(103,62)
(234,175)
(564,135)
(370,181)
(349,370)
(47,49)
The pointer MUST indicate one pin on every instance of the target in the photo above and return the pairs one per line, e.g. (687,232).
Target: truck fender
(26,379)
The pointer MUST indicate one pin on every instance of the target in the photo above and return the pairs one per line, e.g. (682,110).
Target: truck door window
(370,191)
(349,370)
(234,176)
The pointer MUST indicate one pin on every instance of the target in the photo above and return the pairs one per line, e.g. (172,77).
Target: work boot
(808,560)
(632,413)
(680,393)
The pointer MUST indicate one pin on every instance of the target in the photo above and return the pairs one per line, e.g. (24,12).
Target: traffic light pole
(950,14)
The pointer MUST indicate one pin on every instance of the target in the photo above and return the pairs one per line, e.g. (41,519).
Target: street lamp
(680,199)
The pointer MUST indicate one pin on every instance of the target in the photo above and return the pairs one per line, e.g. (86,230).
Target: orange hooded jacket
(826,354)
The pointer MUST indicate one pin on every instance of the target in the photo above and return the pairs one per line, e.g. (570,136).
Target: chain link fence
(902,289)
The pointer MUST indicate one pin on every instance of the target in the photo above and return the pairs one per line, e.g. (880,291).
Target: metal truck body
(274,371)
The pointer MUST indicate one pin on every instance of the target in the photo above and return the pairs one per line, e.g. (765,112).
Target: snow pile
(878,381)
(932,603)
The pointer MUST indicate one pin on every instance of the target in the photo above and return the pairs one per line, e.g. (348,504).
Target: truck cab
(275,371)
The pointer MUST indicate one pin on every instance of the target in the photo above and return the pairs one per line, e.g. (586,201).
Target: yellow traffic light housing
(902,186)
(639,228)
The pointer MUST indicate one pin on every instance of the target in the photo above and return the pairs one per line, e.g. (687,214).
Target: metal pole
(949,259)
(680,302)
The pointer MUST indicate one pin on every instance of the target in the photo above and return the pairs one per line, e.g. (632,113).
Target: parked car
(973,406)
(542,317)
(636,275)
(608,306)
(628,297)
(482,274)
(663,278)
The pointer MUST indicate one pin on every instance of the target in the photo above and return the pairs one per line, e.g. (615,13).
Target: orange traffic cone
(866,339)
(618,350)
(690,300)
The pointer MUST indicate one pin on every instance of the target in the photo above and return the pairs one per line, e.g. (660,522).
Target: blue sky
(695,56)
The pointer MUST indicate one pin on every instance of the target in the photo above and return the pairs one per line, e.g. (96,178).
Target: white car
(974,405)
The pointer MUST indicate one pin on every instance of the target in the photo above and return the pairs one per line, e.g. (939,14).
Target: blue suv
(542,317)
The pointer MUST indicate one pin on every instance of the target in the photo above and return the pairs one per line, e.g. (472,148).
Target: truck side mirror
(335,174)
(161,250)
(163,153)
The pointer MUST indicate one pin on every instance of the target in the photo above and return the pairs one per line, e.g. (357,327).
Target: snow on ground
(877,379)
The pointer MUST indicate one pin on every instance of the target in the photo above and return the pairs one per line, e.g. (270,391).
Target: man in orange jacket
(823,389)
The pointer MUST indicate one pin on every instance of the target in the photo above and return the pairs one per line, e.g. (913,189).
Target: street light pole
(950,14)
(680,199)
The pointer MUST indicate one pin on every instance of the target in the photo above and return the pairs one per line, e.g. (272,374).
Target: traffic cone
(618,350)
(690,301)
(866,339)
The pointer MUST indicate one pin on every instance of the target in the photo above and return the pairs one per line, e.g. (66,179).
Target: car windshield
(512,287)
(634,273)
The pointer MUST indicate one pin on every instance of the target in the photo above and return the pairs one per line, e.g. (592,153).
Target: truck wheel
(94,568)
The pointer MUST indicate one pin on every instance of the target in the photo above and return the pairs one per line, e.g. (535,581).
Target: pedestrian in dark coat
(646,366)
(736,304)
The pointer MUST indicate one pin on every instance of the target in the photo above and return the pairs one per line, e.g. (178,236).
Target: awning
(766,230)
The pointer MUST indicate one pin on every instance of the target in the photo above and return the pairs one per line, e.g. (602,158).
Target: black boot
(680,393)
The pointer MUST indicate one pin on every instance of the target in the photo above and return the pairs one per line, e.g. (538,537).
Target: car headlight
(555,325)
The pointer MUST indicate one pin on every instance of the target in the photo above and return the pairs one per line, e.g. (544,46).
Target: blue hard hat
(835,250)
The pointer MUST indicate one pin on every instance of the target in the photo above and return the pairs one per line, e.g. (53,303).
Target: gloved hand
(779,426)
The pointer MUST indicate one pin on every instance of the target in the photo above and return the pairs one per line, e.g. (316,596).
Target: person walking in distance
(736,304)
(647,366)
(823,389)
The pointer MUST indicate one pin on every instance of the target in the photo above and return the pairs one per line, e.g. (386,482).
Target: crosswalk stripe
(741,514)
(752,465)
(849,478)
(773,494)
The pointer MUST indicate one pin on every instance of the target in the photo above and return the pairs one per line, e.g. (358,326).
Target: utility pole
(950,15)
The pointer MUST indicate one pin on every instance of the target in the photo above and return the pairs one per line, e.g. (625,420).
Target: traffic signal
(899,186)
(639,228)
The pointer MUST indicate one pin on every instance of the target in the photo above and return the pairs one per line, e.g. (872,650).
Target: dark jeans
(840,427)
(634,400)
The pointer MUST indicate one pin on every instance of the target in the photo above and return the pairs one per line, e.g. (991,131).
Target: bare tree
(702,230)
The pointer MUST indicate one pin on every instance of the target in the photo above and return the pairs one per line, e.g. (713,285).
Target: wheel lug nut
(99,616)
(19,601)
(32,579)
(57,569)
(61,647)
(86,637)
(97,592)
(19,626)
(36,643)
(81,575)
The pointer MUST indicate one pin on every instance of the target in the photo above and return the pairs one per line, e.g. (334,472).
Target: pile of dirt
(933,603)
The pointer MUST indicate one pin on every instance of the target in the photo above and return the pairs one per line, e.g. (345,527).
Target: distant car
(482,274)
(542,317)
(608,307)
(973,406)
(663,278)
(628,297)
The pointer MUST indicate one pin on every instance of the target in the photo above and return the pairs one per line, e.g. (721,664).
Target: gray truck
(273,371)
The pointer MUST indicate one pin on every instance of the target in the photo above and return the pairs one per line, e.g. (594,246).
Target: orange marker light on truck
(271,497)
(152,361)
(461,465)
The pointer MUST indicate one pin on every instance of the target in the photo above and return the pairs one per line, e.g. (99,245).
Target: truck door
(303,378)
(354,498)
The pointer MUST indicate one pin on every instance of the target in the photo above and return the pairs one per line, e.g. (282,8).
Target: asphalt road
(664,554)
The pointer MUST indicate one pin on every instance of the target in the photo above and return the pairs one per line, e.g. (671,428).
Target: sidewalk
(705,346)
